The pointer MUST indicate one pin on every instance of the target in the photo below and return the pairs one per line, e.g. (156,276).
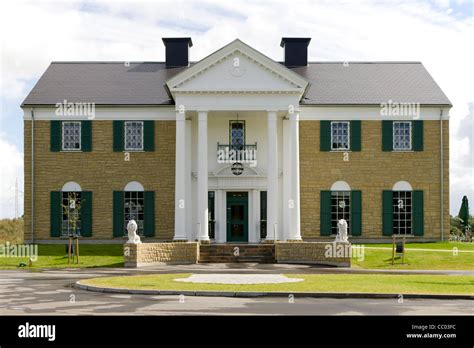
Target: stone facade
(372,171)
(333,254)
(101,171)
(144,254)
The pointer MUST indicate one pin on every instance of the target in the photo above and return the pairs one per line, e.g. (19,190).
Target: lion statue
(341,231)
(133,237)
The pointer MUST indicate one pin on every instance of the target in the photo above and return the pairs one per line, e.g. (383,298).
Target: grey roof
(331,83)
(370,83)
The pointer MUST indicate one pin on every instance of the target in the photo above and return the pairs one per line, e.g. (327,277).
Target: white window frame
(348,136)
(125,136)
(341,195)
(411,136)
(402,217)
(63,148)
(134,201)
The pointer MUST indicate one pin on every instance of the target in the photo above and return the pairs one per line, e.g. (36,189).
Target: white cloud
(11,169)
(36,33)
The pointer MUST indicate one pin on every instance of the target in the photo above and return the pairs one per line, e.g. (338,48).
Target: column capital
(180,116)
(272,115)
(294,116)
(202,115)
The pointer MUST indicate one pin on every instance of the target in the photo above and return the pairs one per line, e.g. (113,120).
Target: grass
(11,230)
(54,256)
(111,255)
(343,283)
(419,259)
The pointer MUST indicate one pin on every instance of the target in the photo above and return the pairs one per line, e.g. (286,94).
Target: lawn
(430,258)
(54,256)
(111,255)
(343,283)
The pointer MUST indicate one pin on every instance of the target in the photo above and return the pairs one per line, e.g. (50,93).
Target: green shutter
(418,225)
(86,136)
(325,213)
(118,214)
(418,135)
(149,223)
(325,136)
(149,135)
(56,135)
(355,135)
(387,213)
(86,214)
(118,135)
(387,135)
(356,213)
(56,213)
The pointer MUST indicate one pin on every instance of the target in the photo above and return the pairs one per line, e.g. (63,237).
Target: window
(134,209)
(134,136)
(402,212)
(340,209)
(71,136)
(71,216)
(340,136)
(402,136)
(237,135)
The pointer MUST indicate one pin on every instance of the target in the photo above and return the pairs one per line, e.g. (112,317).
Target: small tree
(73,210)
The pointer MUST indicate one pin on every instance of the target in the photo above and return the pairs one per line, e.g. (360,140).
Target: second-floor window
(133,135)
(237,135)
(340,136)
(71,136)
(402,136)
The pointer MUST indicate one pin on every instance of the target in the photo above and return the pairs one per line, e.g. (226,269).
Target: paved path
(50,292)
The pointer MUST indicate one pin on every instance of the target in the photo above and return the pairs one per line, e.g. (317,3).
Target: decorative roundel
(237,71)
(237,168)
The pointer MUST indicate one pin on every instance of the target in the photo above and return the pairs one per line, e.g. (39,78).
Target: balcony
(237,153)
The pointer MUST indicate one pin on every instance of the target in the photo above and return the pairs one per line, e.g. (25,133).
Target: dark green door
(237,217)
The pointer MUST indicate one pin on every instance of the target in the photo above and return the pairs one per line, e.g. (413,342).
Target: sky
(438,33)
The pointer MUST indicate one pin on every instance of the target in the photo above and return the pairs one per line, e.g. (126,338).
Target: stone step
(224,253)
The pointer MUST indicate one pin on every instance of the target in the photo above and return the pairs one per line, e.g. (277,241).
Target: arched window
(340,205)
(134,205)
(402,208)
(71,196)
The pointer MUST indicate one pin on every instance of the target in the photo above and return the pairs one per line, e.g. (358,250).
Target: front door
(237,217)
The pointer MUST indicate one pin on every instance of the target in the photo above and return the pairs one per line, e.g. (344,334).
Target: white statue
(133,237)
(341,231)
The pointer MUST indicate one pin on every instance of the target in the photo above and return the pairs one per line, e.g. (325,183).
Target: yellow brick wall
(372,171)
(101,171)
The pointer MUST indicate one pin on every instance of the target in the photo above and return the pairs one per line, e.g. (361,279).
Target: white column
(295,231)
(287,212)
(190,230)
(203,217)
(272,175)
(180,179)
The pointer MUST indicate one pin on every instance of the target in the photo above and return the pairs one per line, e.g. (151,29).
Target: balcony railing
(236,153)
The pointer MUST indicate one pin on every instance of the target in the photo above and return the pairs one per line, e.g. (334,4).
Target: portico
(240,98)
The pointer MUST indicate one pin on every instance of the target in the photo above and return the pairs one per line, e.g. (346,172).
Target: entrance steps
(233,253)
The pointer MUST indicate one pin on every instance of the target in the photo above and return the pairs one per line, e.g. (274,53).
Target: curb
(246,294)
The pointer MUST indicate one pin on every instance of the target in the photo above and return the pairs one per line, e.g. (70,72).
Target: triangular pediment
(237,68)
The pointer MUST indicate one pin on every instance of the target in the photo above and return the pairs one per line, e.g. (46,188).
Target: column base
(205,241)
(180,240)
(268,241)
